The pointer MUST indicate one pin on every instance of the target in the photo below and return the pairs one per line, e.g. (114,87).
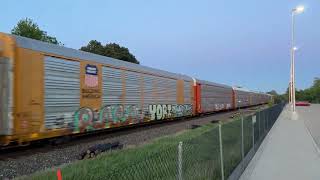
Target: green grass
(155,159)
(231,143)
(247,134)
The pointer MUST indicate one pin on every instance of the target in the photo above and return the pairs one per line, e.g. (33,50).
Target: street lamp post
(289,86)
(297,10)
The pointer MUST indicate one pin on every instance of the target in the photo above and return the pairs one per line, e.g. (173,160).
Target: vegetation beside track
(106,163)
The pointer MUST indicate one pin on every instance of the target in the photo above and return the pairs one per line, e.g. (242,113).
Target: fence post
(180,160)
(254,118)
(221,153)
(266,117)
(264,122)
(259,122)
(242,142)
(268,123)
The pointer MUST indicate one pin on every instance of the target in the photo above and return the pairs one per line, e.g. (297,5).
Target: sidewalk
(288,151)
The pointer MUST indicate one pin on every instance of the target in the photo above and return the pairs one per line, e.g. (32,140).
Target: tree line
(27,28)
(311,94)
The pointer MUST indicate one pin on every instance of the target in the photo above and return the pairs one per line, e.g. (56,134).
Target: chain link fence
(222,152)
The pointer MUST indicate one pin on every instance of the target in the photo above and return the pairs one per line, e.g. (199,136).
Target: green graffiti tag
(85,119)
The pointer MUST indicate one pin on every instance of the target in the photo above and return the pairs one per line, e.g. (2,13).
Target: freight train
(50,91)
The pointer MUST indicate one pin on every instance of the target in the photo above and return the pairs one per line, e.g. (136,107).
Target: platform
(290,149)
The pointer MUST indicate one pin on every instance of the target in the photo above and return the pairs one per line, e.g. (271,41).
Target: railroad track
(26,160)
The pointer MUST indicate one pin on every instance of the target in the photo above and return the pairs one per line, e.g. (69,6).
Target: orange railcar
(50,91)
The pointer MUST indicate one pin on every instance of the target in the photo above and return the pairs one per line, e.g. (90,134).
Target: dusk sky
(242,43)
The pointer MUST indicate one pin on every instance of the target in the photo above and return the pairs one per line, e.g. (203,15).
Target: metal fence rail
(221,153)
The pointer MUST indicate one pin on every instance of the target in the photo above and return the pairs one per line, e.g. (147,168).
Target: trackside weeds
(212,151)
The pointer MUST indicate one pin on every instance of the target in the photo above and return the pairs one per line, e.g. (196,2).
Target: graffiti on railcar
(120,113)
(179,110)
(110,115)
(164,111)
(219,107)
(87,119)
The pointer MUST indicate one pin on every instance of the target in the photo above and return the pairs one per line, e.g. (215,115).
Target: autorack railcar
(215,97)
(242,97)
(52,91)
(246,98)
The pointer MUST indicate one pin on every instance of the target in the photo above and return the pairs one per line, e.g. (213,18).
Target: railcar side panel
(6,97)
(188,92)
(234,99)
(61,92)
(172,98)
(7,61)
(197,98)
(242,98)
(29,94)
(255,99)
(215,98)
(112,90)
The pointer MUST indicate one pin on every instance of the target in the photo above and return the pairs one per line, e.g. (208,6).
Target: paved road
(289,151)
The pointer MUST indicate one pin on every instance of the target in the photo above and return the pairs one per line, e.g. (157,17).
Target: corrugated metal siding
(166,90)
(62,91)
(255,99)
(112,88)
(133,89)
(242,98)
(148,94)
(36,45)
(158,90)
(139,88)
(215,98)
(188,96)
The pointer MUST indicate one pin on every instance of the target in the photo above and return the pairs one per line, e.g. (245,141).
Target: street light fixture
(295,11)
(298,9)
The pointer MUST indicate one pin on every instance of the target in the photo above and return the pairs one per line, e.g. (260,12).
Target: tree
(27,28)
(110,50)
(95,47)
(311,94)
(277,97)
(273,92)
